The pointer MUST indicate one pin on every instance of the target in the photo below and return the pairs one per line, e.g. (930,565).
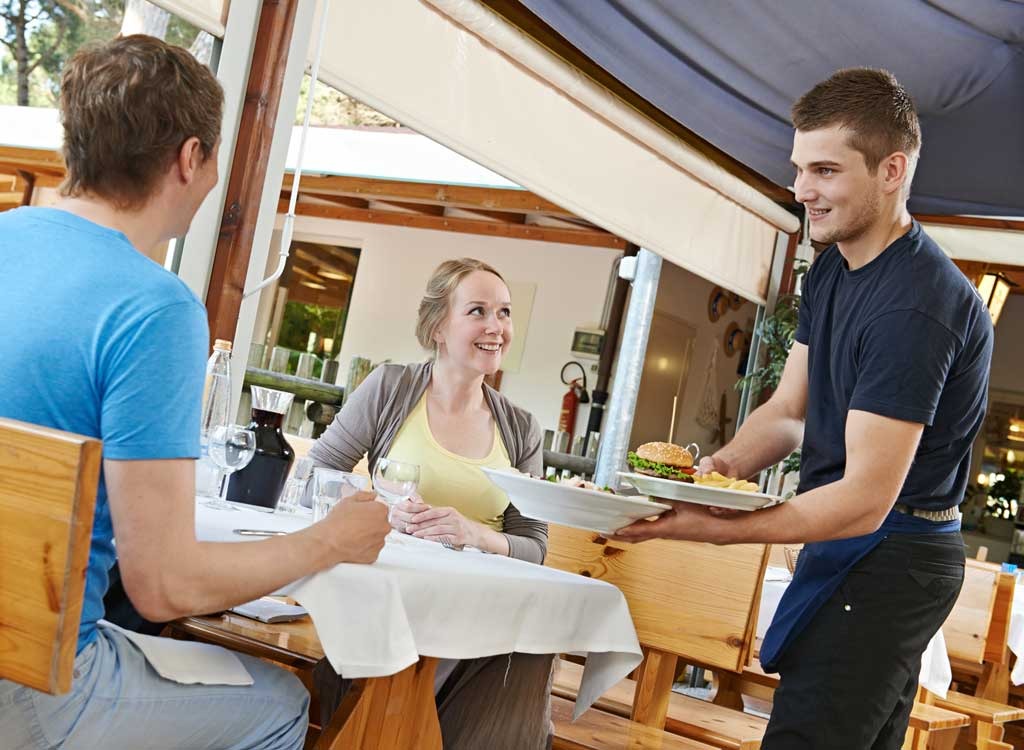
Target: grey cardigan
(373,414)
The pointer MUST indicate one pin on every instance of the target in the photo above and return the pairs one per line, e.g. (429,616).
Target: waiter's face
(842,197)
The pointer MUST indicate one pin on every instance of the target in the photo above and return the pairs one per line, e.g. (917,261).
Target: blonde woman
(442,416)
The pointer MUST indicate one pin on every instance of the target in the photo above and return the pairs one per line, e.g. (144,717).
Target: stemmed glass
(231,448)
(395,481)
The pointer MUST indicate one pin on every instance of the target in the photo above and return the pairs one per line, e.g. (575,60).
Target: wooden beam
(976,222)
(469,226)
(424,209)
(314,257)
(505,216)
(39,160)
(341,200)
(460,196)
(249,166)
(30,186)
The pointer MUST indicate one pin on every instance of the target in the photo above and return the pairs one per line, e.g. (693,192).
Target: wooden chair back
(696,601)
(48,482)
(966,630)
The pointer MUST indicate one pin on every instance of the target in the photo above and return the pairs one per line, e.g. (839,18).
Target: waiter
(886,388)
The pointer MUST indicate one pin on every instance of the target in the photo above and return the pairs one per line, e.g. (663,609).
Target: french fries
(714,479)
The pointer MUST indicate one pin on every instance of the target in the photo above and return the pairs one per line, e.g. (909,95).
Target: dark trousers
(850,678)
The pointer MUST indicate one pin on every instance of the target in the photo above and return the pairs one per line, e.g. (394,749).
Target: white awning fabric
(498,98)
(997,246)
(209,15)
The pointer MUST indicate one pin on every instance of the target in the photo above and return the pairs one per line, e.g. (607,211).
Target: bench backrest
(968,626)
(697,601)
(48,482)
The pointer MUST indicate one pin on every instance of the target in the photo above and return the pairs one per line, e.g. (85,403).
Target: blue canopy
(729,71)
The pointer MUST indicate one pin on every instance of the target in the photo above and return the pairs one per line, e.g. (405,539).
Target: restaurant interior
(648,257)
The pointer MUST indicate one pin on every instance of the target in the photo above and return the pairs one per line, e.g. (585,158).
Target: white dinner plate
(669,489)
(579,508)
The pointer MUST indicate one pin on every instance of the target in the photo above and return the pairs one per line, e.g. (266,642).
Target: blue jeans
(117,701)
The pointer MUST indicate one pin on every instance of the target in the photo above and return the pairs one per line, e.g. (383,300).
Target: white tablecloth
(1016,640)
(936,672)
(421,599)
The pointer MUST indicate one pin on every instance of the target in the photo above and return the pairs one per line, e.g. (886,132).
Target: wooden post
(249,166)
(30,186)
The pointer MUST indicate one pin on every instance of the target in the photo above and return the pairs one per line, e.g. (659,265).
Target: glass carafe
(260,483)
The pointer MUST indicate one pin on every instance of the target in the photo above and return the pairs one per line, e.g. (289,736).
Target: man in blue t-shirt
(885,388)
(100,340)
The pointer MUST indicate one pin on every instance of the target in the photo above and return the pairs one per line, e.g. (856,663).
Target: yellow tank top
(448,479)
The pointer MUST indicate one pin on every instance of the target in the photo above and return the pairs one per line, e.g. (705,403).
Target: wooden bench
(596,730)
(366,716)
(48,482)
(688,717)
(688,601)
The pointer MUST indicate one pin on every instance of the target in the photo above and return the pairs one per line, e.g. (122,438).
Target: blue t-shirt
(908,337)
(102,341)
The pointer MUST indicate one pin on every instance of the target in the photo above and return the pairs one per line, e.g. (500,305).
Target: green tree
(331,108)
(38,36)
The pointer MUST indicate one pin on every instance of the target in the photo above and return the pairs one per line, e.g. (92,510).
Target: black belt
(947,514)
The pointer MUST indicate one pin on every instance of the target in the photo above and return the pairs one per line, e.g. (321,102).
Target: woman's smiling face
(478,330)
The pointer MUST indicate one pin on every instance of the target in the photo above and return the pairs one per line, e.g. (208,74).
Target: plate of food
(665,471)
(573,502)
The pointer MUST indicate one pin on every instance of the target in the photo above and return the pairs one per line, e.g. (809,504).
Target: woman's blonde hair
(437,299)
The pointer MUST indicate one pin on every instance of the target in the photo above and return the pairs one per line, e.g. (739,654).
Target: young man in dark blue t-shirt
(885,389)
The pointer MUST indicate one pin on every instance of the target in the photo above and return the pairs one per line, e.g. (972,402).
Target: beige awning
(497,97)
(208,15)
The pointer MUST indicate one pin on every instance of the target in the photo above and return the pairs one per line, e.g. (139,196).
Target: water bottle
(216,413)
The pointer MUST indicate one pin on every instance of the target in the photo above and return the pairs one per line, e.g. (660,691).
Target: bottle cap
(222,344)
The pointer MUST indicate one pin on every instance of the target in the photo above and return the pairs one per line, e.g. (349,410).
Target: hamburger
(664,460)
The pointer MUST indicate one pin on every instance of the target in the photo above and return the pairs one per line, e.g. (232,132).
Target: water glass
(231,448)
(331,486)
(295,488)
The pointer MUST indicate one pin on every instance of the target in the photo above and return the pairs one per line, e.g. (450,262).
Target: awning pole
(611,456)
(753,359)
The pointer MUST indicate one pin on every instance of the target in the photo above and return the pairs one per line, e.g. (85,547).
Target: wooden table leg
(387,713)
(653,688)
(728,690)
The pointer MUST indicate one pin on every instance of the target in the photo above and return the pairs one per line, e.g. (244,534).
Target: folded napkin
(187,662)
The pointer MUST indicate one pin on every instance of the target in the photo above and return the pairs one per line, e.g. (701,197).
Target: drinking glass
(295,488)
(395,481)
(331,486)
(231,448)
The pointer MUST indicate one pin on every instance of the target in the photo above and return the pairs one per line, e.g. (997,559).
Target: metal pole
(771,299)
(629,367)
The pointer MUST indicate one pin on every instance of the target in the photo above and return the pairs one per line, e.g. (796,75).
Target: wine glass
(395,481)
(231,448)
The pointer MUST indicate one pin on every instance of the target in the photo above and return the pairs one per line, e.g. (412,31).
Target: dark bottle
(262,481)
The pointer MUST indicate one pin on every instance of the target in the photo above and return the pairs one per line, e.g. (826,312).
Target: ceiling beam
(594,238)
(341,200)
(460,196)
(976,222)
(424,209)
(315,259)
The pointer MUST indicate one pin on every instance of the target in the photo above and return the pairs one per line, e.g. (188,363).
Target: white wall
(396,262)
(1008,354)
(685,295)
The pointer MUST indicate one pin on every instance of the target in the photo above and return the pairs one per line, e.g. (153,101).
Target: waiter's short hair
(128,106)
(872,105)
(436,300)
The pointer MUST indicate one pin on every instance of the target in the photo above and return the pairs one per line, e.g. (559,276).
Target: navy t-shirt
(906,336)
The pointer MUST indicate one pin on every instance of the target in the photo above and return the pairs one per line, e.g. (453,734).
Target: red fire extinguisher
(567,417)
(576,395)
